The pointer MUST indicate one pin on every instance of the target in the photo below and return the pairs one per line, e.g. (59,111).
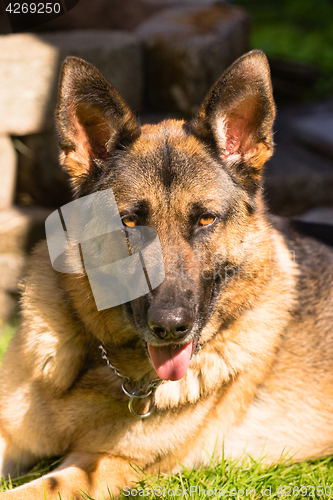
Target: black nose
(170,323)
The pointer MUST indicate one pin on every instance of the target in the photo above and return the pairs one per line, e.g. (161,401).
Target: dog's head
(197,184)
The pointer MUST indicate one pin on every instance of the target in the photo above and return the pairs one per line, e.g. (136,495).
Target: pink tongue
(170,363)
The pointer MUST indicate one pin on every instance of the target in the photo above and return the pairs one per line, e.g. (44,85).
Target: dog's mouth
(171,362)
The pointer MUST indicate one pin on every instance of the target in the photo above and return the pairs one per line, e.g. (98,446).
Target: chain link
(140,393)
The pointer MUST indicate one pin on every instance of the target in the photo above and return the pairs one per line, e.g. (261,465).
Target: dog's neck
(145,391)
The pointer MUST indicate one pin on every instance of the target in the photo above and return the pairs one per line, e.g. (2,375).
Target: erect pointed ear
(92,118)
(238,113)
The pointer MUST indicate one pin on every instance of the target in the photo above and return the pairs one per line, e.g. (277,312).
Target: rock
(29,69)
(40,178)
(8,306)
(8,160)
(186,51)
(292,80)
(11,266)
(21,228)
(315,132)
(4,21)
(320,215)
(296,178)
(102,14)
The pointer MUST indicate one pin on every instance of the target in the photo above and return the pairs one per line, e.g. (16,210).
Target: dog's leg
(92,474)
(13,461)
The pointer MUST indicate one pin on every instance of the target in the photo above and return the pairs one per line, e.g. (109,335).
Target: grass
(7,331)
(224,479)
(227,478)
(231,478)
(296,30)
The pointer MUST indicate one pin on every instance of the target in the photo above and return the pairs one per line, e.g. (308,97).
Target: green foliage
(297,30)
(7,331)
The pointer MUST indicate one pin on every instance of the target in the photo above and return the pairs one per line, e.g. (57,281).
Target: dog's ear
(237,115)
(92,119)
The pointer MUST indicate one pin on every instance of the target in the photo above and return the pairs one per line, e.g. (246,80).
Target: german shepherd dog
(233,350)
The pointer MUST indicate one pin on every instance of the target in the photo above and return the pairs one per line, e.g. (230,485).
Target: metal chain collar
(141,393)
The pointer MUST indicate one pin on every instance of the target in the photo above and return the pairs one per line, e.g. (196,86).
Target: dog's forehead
(176,158)
(169,166)
(165,129)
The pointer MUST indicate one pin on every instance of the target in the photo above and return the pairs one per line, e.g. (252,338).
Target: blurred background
(162,56)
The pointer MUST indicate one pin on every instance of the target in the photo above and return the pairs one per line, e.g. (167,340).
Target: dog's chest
(278,427)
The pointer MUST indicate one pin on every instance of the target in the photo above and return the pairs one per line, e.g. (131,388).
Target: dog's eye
(206,220)
(130,221)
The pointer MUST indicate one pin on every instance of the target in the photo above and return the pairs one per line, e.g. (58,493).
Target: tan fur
(262,382)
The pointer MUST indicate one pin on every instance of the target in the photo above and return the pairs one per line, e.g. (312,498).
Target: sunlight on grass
(38,471)
(227,478)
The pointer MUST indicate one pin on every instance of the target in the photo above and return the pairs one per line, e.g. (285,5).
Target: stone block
(29,70)
(319,215)
(315,132)
(186,51)
(8,160)
(40,179)
(21,228)
(8,306)
(11,266)
(103,14)
(297,178)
